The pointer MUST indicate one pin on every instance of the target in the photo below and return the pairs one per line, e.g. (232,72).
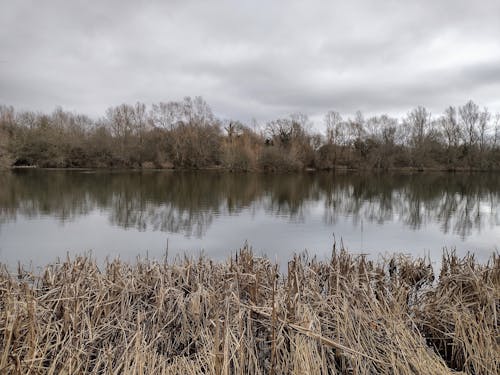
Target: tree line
(186,134)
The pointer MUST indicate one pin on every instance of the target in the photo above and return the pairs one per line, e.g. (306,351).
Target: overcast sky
(258,59)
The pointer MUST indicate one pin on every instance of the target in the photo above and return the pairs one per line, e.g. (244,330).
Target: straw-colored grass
(348,315)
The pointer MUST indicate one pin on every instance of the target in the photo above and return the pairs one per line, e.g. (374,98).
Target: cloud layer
(257,59)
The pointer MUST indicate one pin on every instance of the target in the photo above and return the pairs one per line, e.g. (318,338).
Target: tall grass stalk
(348,315)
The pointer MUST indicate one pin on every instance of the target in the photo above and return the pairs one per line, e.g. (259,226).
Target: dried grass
(345,316)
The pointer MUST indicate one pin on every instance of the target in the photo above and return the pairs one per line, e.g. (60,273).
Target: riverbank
(195,316)
(336,169)
(140,136)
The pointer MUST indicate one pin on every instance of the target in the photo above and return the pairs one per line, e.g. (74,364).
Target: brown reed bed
(348,315)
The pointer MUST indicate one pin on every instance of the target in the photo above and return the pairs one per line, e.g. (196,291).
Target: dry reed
(348,315)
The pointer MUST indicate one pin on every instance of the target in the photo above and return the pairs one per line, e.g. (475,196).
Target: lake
(45,214)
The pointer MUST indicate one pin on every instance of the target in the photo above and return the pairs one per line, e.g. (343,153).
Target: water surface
(45,214)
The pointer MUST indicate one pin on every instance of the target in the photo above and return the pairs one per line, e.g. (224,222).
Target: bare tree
(469,118)
(120,120)
(419,120)
(496,130)
(280,131)
(357,126)
(484,121)
(26,119)
(450,127)
(164,115)
(186,133)
(302,120)
(201,112)
(332,121)
(7,121)
(233,128)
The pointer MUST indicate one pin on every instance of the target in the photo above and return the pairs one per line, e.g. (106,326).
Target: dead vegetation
(348,315)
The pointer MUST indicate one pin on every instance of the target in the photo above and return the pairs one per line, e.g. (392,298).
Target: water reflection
(188,202)
(459,203)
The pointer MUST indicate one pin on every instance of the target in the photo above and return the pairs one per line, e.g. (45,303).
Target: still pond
(45,214)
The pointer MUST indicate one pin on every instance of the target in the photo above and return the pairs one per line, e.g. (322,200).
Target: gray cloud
(257,59)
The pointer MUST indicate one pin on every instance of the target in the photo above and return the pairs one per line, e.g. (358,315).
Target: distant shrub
(147,165)
(326,156)
(195,146)
(277,159)
(5,156)
(236,159)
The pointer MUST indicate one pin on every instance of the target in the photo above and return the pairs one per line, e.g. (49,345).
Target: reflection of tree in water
(288,195)
(460,203)
(33,194)
(163,217)
(187,202)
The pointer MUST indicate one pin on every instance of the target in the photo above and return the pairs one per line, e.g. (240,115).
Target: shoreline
(195,316)
(224,169)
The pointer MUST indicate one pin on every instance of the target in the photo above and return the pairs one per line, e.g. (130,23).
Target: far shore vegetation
(187,135)
(344,315)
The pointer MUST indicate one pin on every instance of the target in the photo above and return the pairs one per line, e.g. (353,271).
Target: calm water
(45,214)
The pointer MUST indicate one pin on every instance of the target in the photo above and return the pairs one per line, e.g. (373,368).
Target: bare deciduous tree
(450,127)
(469,118)
(418,120)
(496,130)
(7,121)
(280,131)
(332,121)
(165,115)
(187,134)
(484,119)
